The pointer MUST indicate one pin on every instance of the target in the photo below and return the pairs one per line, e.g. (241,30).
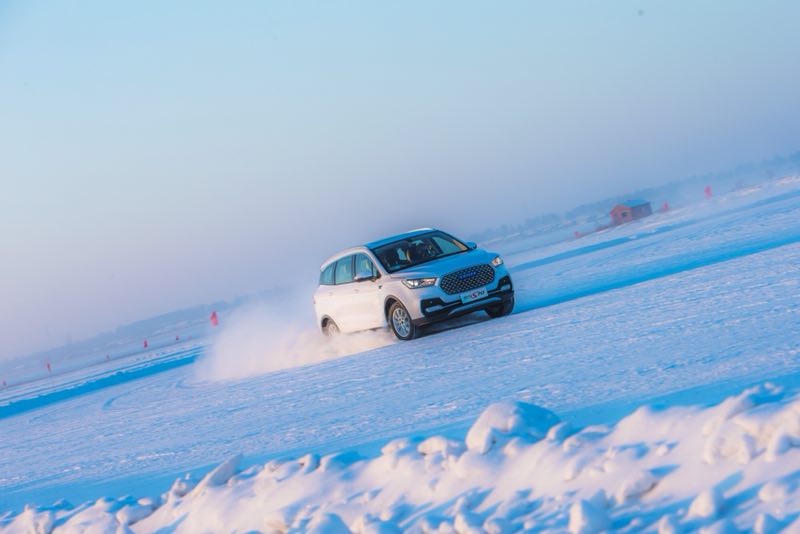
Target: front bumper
(437,309)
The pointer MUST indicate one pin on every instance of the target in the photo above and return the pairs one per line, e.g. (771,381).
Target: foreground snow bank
(725,468)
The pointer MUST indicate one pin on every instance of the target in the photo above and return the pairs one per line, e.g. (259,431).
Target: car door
(324,295)
(367,296)
(344,308)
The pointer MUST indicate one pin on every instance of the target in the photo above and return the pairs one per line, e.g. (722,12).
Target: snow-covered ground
(680,310)
(733,466)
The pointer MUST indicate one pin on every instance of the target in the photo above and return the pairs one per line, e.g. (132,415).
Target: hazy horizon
(161,156)
(255,299)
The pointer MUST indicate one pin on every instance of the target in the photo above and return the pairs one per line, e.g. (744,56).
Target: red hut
(630,211)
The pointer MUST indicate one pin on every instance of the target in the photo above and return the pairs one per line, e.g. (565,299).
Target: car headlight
(416,283)
(497,261)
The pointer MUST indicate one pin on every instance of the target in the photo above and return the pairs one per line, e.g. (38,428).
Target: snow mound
(502,421)
(585,518)
(673,470)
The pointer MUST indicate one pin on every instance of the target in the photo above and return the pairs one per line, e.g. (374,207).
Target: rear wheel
(400,323)
(330,329)
(501,310)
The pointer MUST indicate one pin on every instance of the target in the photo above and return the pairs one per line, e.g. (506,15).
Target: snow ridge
(722,468)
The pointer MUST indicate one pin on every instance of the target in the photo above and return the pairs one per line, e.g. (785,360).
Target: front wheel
(501,310)
(401,324)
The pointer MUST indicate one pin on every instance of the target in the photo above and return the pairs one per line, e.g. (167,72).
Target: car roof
(342,254)
(398,237)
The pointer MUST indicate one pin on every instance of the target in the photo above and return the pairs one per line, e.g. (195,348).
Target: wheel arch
(387,304)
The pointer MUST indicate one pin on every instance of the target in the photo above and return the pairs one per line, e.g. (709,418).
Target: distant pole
(50,371)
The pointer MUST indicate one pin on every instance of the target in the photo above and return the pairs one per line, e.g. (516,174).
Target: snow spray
(267,337)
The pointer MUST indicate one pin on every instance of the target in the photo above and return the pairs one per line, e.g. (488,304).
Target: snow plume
(261,338)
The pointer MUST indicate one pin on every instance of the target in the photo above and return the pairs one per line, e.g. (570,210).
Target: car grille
(466,279)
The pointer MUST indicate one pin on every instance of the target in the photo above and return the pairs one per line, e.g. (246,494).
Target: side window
(326,276)
(363,263)
(344,270)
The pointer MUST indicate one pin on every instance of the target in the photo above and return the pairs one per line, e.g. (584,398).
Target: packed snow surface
(533,421)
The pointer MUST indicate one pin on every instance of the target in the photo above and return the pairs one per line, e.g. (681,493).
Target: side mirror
(472,245)
(363,276)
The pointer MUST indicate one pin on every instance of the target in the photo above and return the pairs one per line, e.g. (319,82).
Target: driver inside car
(420,251)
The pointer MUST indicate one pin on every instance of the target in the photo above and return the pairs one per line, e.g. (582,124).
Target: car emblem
(468,274)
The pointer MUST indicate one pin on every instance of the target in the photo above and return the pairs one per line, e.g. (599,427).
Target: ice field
(525,423)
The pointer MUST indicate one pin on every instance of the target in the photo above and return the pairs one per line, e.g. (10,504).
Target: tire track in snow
(657,271)
(95,383)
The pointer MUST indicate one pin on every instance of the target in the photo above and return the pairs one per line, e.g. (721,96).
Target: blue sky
(159,155)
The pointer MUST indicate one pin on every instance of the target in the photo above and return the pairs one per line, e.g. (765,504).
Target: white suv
(409,281)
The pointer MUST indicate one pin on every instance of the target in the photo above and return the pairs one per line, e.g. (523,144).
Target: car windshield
(405,253)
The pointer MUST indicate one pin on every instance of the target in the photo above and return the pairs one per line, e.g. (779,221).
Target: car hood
(448,264)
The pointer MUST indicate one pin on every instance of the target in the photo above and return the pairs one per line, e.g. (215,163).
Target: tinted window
(363,263)
(344,270)
(447,246)
(418,249)
(326,276)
